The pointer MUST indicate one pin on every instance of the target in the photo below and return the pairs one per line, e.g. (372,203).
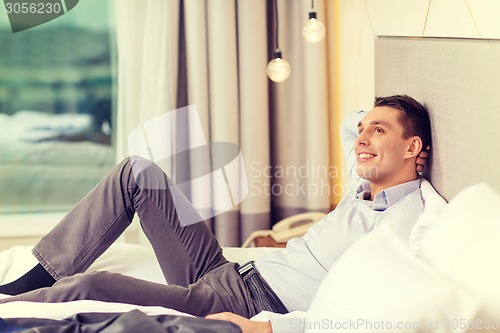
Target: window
(56,108)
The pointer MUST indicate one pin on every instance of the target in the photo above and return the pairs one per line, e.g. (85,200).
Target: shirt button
(329,219)
(284,252)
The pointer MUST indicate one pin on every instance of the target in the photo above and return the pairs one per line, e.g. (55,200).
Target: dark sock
(36,278)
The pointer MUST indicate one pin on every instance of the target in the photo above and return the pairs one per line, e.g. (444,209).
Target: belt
(263,296)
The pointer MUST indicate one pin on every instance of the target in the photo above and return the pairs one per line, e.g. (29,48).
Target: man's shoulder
(433,204)
(411,203)
(430,196)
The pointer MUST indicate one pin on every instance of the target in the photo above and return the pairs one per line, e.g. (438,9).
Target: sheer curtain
(212,55)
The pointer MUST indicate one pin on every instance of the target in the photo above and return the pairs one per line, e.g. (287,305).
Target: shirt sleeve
(292,322)
(288,325)
(348,136)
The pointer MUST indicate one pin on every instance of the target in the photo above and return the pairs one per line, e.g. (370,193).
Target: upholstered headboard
(459,81)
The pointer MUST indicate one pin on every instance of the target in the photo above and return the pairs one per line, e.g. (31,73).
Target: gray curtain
(212,55)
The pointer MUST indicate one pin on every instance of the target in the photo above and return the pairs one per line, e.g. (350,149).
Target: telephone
(286,229)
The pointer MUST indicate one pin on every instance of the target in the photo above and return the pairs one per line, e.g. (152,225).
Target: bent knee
(147,174)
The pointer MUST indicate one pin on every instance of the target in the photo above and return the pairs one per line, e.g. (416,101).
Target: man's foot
(36,278)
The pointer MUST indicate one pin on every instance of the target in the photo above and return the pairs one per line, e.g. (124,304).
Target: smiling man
(383,150)
(386,144)
(389,140)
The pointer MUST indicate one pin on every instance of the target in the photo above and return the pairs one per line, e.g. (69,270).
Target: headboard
(459,81)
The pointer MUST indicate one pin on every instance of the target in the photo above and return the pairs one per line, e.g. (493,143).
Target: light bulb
(278,69)
(313,31)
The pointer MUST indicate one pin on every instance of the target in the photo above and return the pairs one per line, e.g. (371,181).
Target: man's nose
(362,139)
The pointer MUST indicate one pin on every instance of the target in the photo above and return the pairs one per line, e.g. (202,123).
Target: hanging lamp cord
(276,25)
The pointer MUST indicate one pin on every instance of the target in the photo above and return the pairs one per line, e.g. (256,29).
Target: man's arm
(247,325)
(348,135)
(281,324)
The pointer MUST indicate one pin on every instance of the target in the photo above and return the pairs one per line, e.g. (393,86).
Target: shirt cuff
(288,325)
(292,322)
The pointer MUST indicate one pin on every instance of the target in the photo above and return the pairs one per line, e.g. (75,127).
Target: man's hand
(422,159)
(247,326)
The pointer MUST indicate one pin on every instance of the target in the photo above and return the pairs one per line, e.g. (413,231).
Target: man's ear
(414,147)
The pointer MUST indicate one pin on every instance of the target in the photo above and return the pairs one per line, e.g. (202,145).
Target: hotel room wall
(351,48)
(361,21)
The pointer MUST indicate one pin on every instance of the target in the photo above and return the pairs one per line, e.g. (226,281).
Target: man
(201,280)
(386,148)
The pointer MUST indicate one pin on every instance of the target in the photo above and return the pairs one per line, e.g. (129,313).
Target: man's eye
(378,130)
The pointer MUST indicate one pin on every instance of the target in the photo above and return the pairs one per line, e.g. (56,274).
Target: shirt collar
(387,197)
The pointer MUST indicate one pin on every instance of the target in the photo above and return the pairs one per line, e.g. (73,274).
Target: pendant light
(313,31)
(278,69)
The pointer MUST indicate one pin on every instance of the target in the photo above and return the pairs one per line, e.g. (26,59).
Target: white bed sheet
(129,259)
(59,311)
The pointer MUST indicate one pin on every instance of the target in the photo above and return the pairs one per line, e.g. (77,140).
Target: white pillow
(464,240)
(379,285)
(129,259)
(433,205)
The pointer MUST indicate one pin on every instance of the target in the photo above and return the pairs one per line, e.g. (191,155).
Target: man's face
(380,147)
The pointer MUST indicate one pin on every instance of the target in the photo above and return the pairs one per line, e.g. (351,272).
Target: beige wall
(351,41)
(362,20)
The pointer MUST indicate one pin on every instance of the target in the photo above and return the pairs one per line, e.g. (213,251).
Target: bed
(447,280)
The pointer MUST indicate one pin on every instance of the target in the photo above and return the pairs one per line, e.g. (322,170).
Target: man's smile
(364,156)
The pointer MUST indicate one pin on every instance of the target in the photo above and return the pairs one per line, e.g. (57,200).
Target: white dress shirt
(296,272)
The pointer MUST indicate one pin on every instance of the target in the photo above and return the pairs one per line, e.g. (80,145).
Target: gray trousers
(200,280)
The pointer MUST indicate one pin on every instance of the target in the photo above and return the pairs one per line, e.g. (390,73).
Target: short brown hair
(414,116)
